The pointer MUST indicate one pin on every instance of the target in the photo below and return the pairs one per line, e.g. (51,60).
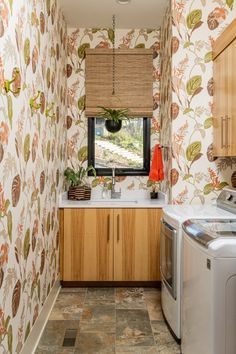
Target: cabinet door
(224,108)
(88,245)
(136,244)
(220,104)
(231,94)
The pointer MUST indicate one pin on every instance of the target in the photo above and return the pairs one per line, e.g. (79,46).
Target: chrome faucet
(114,194)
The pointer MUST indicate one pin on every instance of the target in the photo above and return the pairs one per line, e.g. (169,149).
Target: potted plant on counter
(78,186)
(155,187)
(113,118)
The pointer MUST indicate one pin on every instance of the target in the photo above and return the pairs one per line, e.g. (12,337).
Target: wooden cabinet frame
(110,245)
(86,244)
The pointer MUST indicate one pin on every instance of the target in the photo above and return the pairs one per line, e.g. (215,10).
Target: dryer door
(169,256)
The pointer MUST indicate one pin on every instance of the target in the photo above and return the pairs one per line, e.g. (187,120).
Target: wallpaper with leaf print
(78,41)
(32,159)
(166,98)
(196,176)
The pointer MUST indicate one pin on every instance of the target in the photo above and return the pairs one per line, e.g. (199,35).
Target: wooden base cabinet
(87,244)
(110,244)
(136,244)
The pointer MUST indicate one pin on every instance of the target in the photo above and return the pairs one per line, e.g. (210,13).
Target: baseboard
(38,328)
(143,284)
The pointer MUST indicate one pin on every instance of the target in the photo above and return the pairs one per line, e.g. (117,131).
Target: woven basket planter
(87,193)
(76,193)
(79,193)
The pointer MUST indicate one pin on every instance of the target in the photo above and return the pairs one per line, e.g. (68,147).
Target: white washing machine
(171,251)
(209,287)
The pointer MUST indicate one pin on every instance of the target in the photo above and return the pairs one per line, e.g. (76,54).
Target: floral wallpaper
(196,176)
(166,98)
(32,157)
(78,41)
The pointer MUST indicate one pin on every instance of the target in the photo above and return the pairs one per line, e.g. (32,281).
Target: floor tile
(163,338)
(130,298)
(68,298)
(100,295)
(168,349)
(136,350)
(69,306)
(73,290)
(133,328)
(98,318)
(153,291)
(54,350)
(54,332)
(100,342)
(153,301)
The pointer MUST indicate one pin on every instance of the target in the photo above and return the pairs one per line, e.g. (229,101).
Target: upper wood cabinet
(224,105)
(110,244)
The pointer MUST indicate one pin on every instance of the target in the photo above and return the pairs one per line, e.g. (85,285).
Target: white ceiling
(98,13)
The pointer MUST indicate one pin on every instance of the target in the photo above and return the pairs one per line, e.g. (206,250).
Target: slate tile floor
(107,321)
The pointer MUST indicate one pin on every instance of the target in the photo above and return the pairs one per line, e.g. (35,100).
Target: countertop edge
(143,206)
(145,203)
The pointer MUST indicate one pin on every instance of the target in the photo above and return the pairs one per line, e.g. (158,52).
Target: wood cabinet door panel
(220,105)
(88,245)
(231,114)
(136,244)
(224,102)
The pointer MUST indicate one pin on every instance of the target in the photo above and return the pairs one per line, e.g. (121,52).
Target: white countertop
(129,199)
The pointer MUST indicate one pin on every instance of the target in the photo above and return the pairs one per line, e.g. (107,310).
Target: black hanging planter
(113,126)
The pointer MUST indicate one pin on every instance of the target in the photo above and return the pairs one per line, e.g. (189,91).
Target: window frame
(121,171)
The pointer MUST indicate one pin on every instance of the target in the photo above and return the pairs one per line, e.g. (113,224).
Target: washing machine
(209,286)
(171,257)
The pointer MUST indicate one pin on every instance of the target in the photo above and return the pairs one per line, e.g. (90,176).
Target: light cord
(113,54)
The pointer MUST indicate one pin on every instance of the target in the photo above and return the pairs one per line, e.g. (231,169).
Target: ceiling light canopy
(123,2)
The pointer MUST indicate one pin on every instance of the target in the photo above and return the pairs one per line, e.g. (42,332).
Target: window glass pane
(123,149)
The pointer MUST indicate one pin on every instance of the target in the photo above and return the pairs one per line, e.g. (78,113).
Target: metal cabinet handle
(108,228)
(118,228)
(227,131)
(222,132)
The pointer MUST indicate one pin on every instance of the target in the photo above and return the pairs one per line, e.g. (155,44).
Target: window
(127,150)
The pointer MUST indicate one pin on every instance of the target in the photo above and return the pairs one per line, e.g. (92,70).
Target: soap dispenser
(105,191)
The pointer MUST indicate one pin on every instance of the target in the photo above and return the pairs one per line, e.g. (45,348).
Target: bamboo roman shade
(133,80)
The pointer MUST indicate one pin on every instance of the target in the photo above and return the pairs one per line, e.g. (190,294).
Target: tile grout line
(83,305)
(154,341)
(141,309)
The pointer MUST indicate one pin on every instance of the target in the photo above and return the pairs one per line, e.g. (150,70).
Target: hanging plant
(113,118)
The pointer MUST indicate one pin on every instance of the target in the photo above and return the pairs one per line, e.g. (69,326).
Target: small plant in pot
(155,187)
(78,186)
(113,118)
